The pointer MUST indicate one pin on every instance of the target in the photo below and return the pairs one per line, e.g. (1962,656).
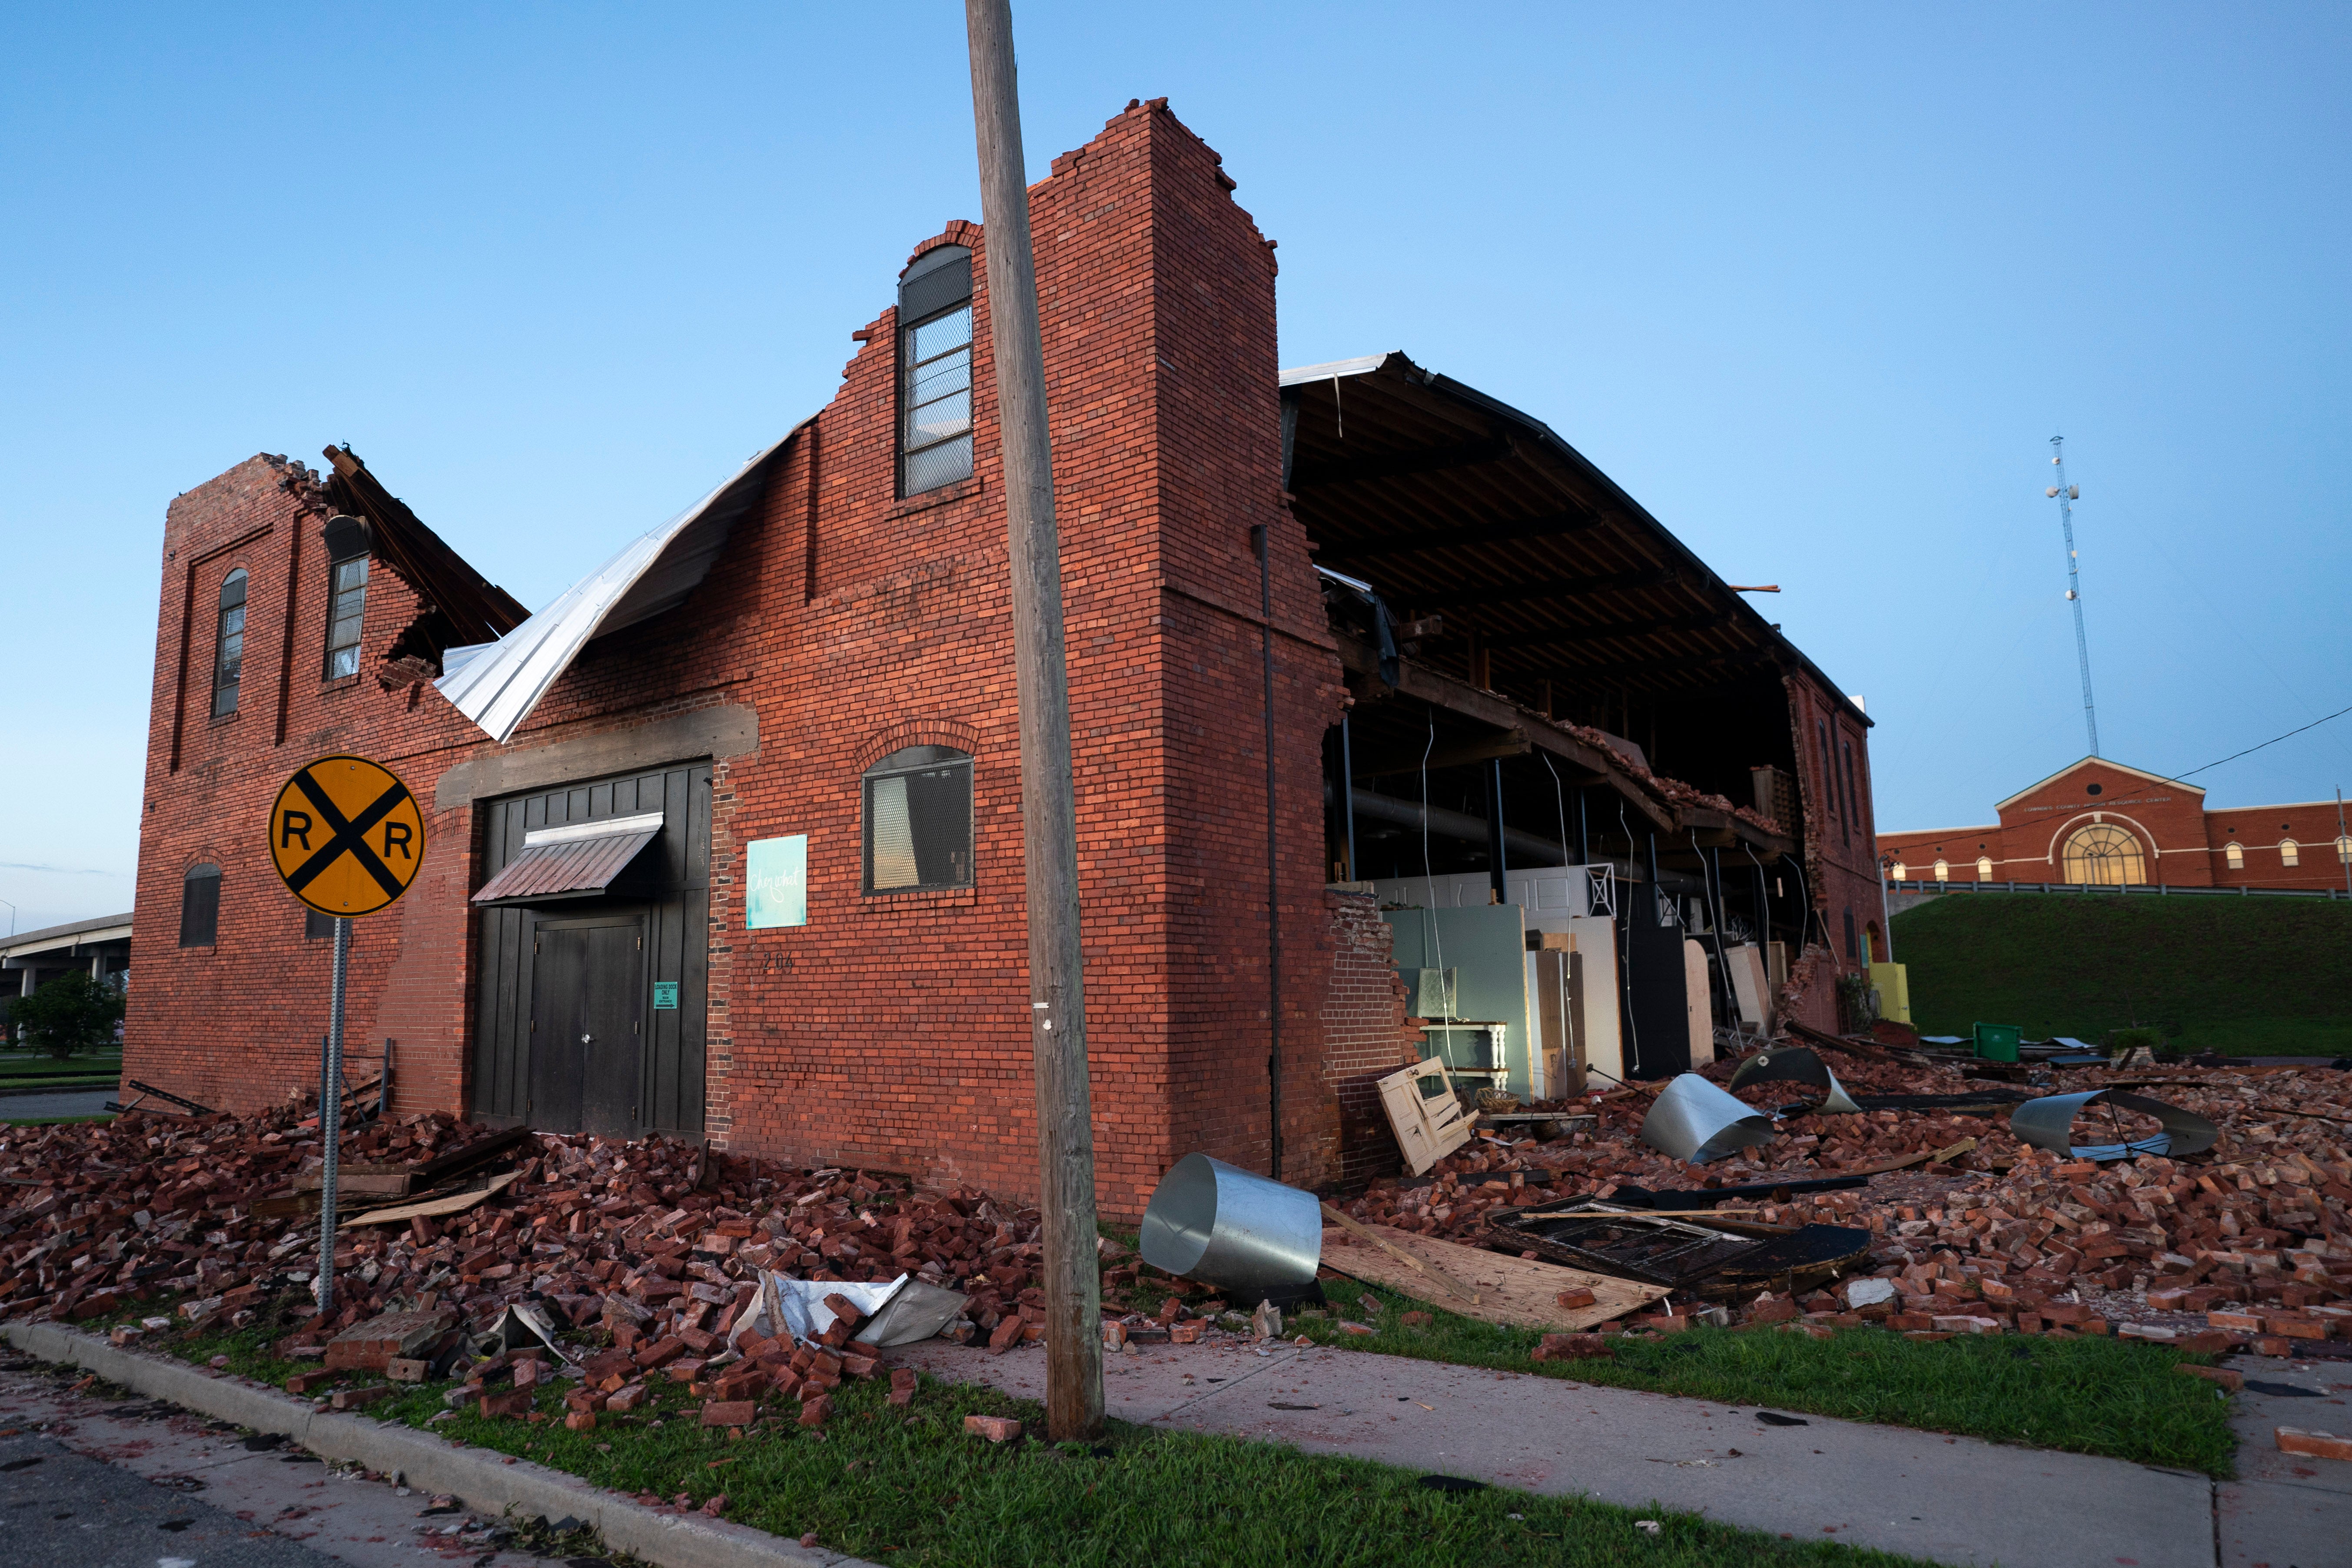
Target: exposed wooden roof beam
(1428,461)
(1551,525)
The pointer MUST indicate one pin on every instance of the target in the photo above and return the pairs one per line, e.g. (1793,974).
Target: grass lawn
(911,1487)
(2242,976)
(23,1070)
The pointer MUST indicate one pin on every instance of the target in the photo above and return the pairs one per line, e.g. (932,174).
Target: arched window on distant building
(2343,851)
(1942,870)
(2290,852)
(1901,870)
(2235,853)
(1984,868)
(2103,856)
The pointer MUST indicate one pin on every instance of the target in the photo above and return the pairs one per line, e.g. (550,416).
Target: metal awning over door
(577,860)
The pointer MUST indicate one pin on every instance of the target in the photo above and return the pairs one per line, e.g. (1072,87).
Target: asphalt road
(56,1507)
(69,1103)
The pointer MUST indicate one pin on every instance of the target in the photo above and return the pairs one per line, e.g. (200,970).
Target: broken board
(432,1209)
(1511,1290)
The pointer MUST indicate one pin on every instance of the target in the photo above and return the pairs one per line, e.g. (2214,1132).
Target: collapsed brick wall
(1840,853)
(1365,1036)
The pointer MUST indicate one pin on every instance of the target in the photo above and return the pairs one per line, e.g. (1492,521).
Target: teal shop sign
(776,878)
(664,993)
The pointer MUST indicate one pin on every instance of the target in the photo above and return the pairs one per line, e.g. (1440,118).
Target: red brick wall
(1840,847)
(893,1031)
(237,1025)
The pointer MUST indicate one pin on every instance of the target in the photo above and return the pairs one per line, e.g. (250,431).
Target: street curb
(486,1481)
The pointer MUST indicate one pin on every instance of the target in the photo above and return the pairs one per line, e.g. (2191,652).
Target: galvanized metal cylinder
(1225,1226)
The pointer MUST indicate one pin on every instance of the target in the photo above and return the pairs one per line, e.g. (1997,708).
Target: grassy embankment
(2242,976)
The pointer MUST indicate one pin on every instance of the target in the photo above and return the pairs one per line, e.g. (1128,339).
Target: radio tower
(2066,495)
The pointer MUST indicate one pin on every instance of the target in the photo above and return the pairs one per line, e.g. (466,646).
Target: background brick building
(2101,823)
(838,608)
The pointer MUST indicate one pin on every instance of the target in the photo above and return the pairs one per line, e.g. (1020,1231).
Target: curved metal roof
(1453,502)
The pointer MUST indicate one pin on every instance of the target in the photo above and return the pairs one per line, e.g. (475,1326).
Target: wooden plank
(430,1208)
(1363,1232)
(1924,1157)
(1514,1290)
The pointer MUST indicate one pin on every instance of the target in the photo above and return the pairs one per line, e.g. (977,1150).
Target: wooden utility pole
(1049,824)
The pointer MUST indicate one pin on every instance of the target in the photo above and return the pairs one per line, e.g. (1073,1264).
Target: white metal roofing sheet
(497,685)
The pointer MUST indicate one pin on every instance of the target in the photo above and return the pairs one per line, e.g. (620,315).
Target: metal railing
(2160,890)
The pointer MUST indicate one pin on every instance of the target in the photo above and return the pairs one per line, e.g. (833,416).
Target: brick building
(2103,824)
(725,843)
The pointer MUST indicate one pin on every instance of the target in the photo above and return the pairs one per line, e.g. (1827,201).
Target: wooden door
(587,1025)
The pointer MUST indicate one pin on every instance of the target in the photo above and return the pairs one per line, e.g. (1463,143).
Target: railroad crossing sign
(346,835)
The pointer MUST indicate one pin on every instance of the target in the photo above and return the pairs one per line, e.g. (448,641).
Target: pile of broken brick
(658,1237)
(2248,1242)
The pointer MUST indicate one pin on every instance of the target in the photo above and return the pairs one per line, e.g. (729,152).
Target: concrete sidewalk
(1955,1500)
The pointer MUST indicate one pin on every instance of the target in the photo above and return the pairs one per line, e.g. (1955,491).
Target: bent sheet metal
(1799,1064)
(1692,1119)
(2048,1122)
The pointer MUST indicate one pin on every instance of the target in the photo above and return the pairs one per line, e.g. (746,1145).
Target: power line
(2274,741)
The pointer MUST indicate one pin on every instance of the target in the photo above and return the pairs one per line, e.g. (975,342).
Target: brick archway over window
(915,732)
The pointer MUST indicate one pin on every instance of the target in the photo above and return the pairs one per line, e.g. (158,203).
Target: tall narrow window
(2235,853)
(1942,870)
(2344,850)
(2290,852)
(1829,772)
(228,645)
(935,370)
(1901,870)
(919,820)
(200,905)
(1984,868)
(347,606)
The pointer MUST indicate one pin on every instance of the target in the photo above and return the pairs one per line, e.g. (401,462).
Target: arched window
(200,891)
(919,820)
(935,370)
(2235,853)
(1984,868)
(1942,870)
(1901,870)
(2344,850)
(2290,852)
(2104,856)
(228,645)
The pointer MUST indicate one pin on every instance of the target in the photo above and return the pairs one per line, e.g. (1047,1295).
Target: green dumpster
(1998,1042)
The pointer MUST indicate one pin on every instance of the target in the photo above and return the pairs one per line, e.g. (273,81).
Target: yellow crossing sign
(346,835)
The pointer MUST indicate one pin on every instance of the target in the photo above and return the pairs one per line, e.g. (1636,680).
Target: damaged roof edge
(497,685)
(1334,370)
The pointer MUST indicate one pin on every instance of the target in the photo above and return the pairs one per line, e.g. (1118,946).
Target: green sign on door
(664,993)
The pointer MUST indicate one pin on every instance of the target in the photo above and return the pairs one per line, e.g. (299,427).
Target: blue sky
(1816,283)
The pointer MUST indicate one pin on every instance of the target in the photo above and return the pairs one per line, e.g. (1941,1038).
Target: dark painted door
(587,1022)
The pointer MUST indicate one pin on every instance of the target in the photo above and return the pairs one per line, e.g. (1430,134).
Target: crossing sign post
(347,838)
